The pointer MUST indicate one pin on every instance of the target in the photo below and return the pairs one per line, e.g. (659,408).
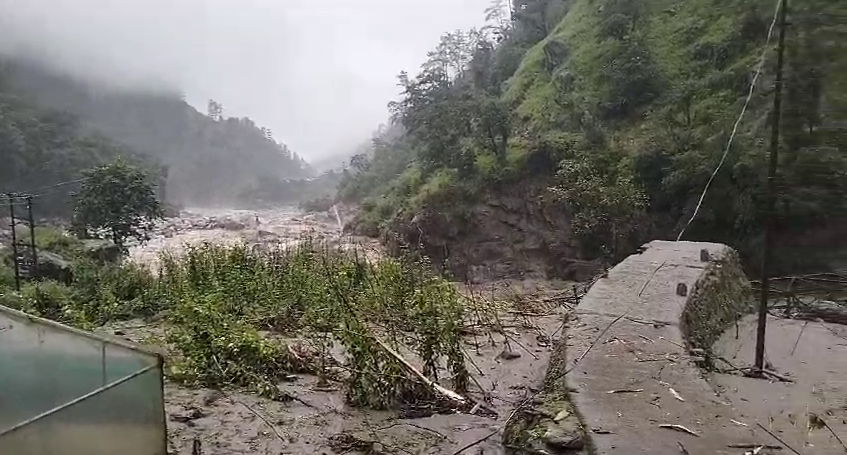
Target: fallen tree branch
(446,393)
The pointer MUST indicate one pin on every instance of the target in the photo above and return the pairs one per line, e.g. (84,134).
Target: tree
(215,110)
(117,201)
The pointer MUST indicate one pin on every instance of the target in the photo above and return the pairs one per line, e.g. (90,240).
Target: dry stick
(230,398)
(773,374)
(651,277)
(798,337)
(506,422)
(478,318)
(478,441)
(256,413)
(472,362)
(531,397)
(372,431)
(593,343)
(412,425)
(503,332)
(834,435)
(778,439)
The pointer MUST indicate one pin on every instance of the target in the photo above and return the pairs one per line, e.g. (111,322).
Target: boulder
(54,267)
(102,250)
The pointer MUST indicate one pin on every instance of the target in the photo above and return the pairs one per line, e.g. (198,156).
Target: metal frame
(158,362)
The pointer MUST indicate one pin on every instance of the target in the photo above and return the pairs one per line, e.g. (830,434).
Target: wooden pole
(770,196)
(13,224)
(34,271)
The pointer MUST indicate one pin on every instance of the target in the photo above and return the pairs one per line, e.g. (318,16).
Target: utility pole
(34,270)
(770,196)
(12,224)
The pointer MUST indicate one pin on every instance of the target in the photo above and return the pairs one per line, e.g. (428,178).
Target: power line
(758,74)
(23,195)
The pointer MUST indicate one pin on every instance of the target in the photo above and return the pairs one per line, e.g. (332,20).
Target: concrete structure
(625,382)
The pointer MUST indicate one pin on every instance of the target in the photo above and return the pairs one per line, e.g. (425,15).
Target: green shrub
(54,301)
(220,296)
(108,292)
(54,240)
(7,275)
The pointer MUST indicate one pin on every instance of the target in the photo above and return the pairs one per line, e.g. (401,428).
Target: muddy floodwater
(508,364)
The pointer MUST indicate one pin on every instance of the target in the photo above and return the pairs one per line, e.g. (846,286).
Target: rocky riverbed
(261,229)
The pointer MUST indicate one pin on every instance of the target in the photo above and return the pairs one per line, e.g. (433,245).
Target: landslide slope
(585,127)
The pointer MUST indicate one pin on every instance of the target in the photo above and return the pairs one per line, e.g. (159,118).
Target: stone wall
(623,368)
(718,300)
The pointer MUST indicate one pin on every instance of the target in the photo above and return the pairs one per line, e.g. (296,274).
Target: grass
(52,239)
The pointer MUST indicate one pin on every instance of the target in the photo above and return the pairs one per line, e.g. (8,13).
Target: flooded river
(265,229)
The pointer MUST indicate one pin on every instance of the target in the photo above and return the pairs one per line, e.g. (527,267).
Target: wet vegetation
(238,318)
(623,109)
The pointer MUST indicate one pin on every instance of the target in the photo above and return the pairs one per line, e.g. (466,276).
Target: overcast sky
(319,73)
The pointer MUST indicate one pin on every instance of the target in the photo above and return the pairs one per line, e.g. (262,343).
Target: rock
(54,267)
(102,250)
(230,225)
(564,438)
(190,414)
(210,397)
(562,415)
(508,354)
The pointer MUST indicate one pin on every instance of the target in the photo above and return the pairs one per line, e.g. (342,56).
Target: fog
(319,73)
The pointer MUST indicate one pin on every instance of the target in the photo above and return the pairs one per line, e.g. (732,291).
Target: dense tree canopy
(117,201)
(624,108)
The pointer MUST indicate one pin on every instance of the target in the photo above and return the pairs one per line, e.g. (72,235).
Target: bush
(608,208)
(115,292)
(7,275)
(52,300)
(221,296)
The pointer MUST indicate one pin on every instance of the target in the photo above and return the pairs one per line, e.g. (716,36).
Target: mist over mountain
(209,158)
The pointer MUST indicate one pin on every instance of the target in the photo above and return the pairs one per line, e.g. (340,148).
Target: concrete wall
(624,367)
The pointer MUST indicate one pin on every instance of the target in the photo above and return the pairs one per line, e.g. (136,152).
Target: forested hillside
(44,152)
(576,129)
(209,159)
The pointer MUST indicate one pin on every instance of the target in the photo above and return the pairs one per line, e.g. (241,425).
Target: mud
(814,356)
(507,364)
(521,234)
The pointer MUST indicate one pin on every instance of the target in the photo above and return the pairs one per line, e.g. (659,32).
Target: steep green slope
(663,82)
(613,114)
(209,160)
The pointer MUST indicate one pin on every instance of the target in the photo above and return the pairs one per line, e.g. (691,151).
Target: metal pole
(769,195)
(34,271)
(14,242)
